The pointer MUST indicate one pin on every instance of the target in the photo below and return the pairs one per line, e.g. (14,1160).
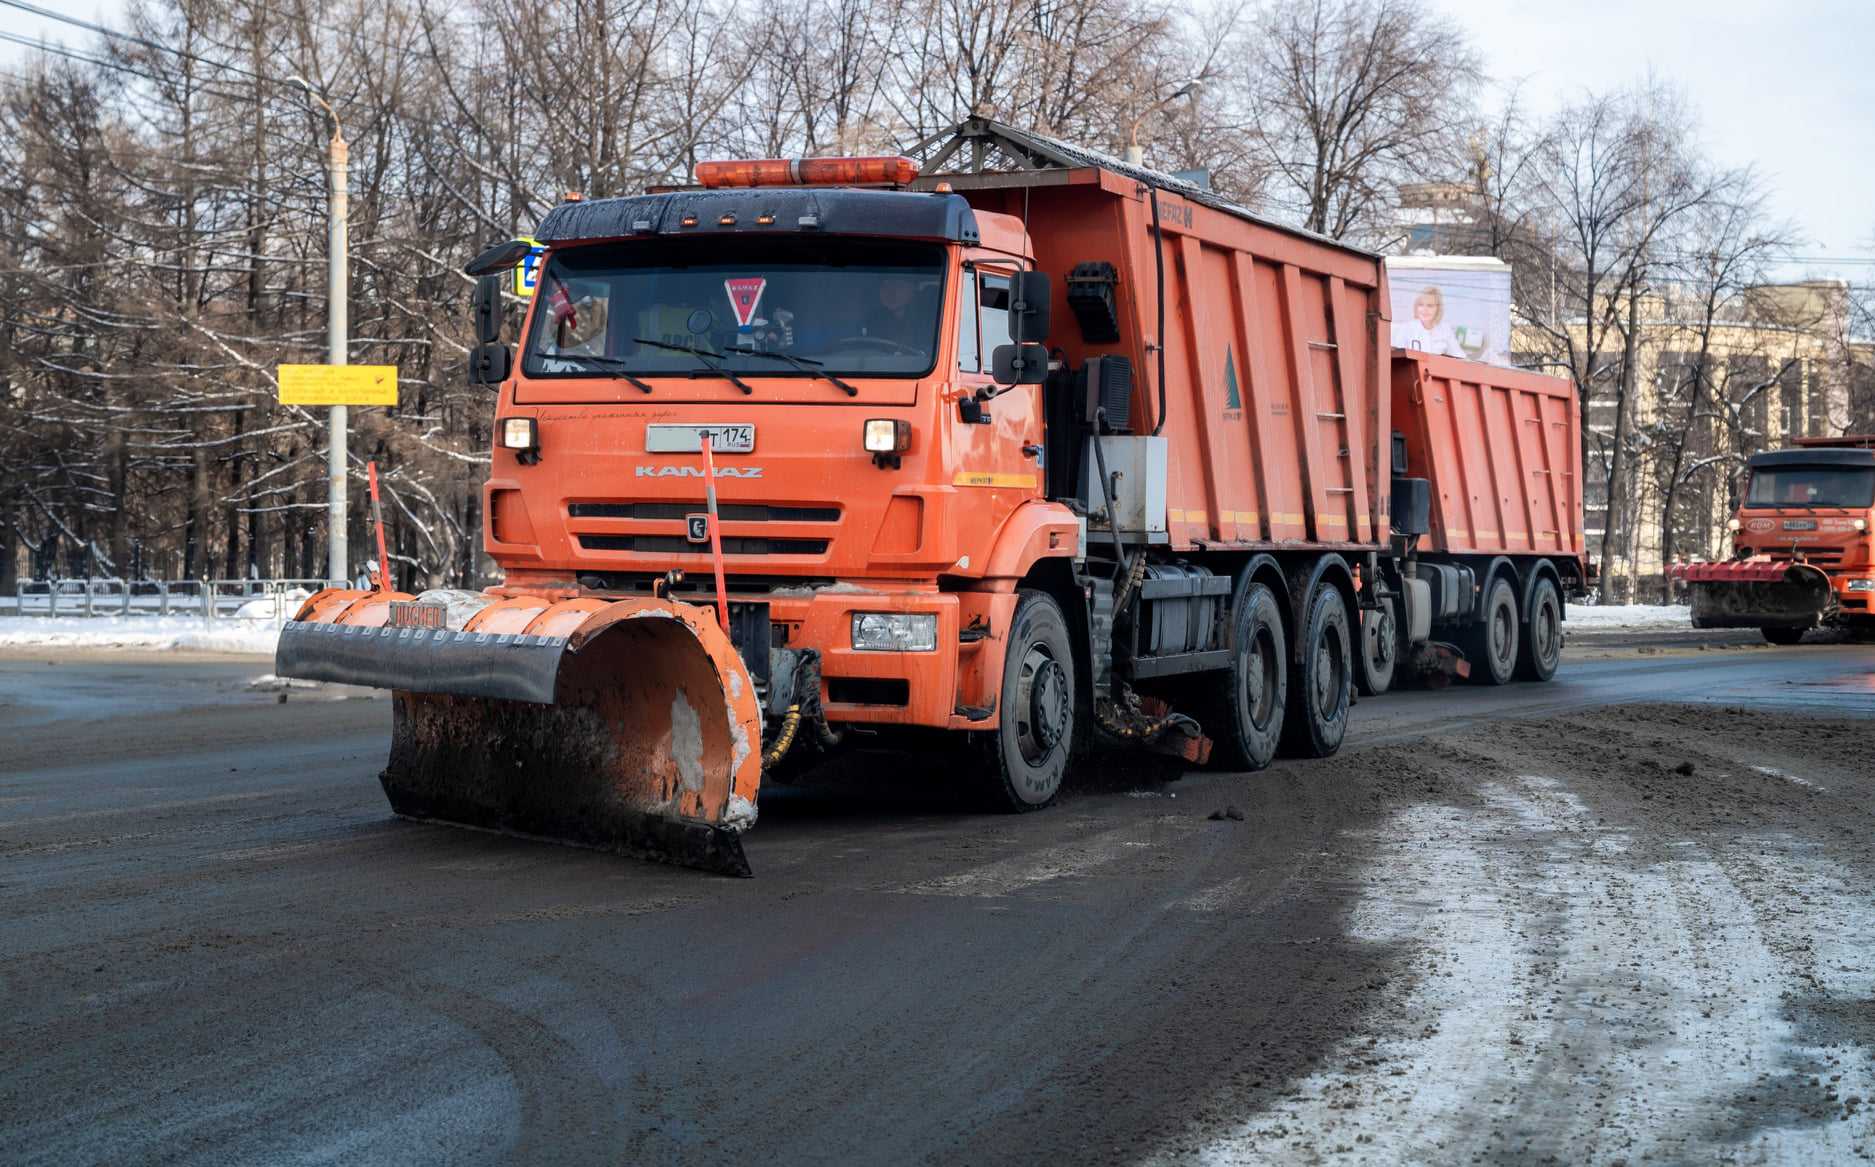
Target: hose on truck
(803,705)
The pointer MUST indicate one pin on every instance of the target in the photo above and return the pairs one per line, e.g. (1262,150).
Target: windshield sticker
(745,293)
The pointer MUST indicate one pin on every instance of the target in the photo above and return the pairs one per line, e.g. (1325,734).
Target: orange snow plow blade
(627,725)
(1756,593)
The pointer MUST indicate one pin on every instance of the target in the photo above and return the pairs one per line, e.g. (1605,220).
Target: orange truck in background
(1058,457)
(1803,554)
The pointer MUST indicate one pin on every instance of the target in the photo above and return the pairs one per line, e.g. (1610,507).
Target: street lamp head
(318,98)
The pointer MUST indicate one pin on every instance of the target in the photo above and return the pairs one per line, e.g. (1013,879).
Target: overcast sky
(1785,85)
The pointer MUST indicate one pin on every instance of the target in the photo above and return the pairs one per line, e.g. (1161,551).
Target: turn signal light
(893,169)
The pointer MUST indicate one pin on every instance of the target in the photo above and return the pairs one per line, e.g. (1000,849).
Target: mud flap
(629,726)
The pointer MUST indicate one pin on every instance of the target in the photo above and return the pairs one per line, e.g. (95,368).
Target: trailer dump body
(1502,451)
(1067,457)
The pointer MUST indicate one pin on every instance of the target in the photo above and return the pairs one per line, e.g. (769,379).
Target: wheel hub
(1048,703)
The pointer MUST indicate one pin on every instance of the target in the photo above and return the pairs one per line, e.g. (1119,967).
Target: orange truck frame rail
(1057,457)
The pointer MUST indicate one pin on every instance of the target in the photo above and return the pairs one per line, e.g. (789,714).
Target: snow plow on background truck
(1803,552)
(1046,455)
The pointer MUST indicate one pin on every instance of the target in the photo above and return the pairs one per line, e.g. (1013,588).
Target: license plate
(734,438)
(1800,524)
(418,614)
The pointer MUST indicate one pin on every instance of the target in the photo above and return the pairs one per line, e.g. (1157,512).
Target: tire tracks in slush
(1579,998)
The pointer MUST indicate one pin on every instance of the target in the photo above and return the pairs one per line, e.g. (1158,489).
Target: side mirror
(1019,364)
(489,364)
(1029,299)
(486,308)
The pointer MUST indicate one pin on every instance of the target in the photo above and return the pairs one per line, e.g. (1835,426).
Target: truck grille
(679,545)
(732,512)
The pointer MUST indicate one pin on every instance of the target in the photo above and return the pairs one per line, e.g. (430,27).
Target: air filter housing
(1105,390)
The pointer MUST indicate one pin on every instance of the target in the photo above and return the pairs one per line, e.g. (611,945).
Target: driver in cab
(902,317)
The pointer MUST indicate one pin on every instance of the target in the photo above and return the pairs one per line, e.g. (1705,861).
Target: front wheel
(1027,754)
(1784,636)
(1323,687)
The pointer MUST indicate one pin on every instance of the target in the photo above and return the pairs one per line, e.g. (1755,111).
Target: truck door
(990,455)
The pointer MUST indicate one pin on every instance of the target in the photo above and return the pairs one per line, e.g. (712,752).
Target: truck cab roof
(897,214)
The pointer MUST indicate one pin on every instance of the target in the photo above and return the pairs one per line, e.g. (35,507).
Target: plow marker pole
(377,520)
(716,531)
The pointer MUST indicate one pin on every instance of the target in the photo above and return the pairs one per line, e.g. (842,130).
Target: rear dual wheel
(1380,649)
(1542,633)
(1492,644)
(1322,690)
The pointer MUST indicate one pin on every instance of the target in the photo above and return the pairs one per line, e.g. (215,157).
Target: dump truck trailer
(1802,552)
(1037,455)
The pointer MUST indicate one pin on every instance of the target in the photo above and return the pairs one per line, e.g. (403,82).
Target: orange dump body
(1275,347)
(1502,450)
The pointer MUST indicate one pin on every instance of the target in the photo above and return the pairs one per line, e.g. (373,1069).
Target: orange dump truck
(1040,455)
(1803,555)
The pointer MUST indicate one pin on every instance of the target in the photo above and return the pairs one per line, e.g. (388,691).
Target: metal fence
(274,600)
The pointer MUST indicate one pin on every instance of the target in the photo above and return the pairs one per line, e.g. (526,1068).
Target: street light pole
(338,263)
(1135,153)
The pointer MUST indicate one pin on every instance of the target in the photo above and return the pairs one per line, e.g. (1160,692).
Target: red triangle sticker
(744,294)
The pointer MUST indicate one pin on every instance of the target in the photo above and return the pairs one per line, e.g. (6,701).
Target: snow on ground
(153,633)
(1599,616)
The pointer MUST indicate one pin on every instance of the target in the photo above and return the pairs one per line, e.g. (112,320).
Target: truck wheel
(1027,754)
(1542,634)
(1491,646)
(1784,636)
(1250,715)
(1380,650)
(1324,684)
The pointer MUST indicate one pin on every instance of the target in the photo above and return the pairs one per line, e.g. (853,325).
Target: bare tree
(1351,96)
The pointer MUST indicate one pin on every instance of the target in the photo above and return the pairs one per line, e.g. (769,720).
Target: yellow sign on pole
(338,384)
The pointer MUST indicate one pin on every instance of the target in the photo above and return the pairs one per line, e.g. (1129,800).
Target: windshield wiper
(708,356)
(805,364)
(611,365)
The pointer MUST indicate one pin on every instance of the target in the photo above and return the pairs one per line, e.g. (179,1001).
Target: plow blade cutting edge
(628,725)
(1757,594)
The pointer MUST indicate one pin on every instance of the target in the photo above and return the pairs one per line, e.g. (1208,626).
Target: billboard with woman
(1455,306)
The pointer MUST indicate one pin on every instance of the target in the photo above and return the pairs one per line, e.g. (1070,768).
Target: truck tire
(1491,646)
(1783,636)
(1026,756)
(1323,687)
(1542,633)
(1249,718)
(1380,650)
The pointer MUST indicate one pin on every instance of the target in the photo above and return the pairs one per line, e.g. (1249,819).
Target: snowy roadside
(1613,617)
(144,633)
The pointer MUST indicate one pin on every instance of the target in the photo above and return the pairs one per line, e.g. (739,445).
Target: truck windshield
(1812,486)
(861,307)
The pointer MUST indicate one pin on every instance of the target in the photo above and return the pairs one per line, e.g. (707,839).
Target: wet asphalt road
(216,945)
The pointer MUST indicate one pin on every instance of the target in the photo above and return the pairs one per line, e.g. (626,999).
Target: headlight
(1733,524)
(894,632)
(1860,524)
(519,433)
(1862,585)
(887,435)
